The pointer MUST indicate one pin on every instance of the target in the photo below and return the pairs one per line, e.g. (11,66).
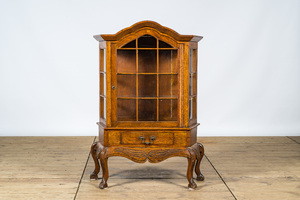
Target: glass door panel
(126,110)
(168,110)
(147,110)
(168,85)
(163,44)
(147,41)
(126,85)
(131,44)
(167,61)
(147,61)
(147,85)
(126,61)
(147,81)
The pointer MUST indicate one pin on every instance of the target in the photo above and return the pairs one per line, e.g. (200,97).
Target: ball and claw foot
(200,177)
(94,176)
(192,185)
(102,185)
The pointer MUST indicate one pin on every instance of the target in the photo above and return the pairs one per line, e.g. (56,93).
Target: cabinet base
(194,155)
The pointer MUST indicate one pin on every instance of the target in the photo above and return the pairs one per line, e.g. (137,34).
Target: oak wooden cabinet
(148,98)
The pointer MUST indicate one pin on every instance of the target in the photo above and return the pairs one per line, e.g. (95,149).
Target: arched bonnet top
(151,24)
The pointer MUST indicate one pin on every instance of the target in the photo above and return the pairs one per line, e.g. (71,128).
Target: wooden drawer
(149,138)
(133,138)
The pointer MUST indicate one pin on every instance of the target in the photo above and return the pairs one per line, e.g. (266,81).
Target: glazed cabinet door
(146,83)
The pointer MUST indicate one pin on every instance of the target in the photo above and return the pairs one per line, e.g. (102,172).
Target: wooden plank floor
(42,167)
(234,168)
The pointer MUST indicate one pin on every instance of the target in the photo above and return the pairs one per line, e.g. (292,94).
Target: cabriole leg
(103,161)
(191,164)
(199,154)
(94,151)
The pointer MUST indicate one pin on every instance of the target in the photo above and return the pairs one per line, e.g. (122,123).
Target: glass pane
(168,110)
(126,85)
(194,79)
(147,61)
(102,60)
(147,41)
(192,84)
(131,44)
(194,102)
(147,110)
(193,61)
(126,110)
(167,61)
(168,85)
(193,108)
(126,61)
(102,107)
(163,44)
(190,109)
(102,84)
(147,85)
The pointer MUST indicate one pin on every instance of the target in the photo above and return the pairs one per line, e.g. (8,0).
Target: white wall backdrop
(249,62)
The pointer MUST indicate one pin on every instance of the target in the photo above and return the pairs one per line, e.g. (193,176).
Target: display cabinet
(148,98)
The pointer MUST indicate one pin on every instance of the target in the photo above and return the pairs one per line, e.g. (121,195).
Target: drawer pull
(152,138)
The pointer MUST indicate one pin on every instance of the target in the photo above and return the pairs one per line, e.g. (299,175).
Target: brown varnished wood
(199,150)
(154,155)
(150,24)
(163,138)
(185,92)
(147,98)
(96,148)
(108,84)
(105,173)
(191,165)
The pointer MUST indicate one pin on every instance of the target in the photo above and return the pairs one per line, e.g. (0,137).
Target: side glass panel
(102,84)
(193,84)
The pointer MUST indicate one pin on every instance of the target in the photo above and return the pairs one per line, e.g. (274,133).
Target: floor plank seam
(292,139)
(83,172)
(221,177)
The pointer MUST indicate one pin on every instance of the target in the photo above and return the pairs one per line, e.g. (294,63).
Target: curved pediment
(151,25)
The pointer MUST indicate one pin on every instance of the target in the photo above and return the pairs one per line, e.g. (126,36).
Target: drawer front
(133,138)
(148,138)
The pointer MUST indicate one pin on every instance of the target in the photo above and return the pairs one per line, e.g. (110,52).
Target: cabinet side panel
(181,138)
(101,134)
(193,135)
(112,138)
